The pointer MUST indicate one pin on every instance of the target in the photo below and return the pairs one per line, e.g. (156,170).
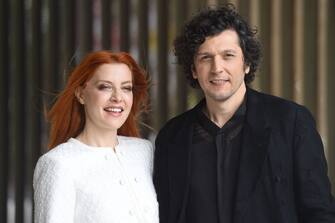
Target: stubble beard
(223,96)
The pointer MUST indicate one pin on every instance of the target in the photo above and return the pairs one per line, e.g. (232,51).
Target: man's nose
(217,65)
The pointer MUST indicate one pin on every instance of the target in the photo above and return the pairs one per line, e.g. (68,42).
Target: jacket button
(107,157)
(146,209)
(277,179)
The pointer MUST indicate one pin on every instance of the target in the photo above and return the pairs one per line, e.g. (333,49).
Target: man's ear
(194,73)
(79,95)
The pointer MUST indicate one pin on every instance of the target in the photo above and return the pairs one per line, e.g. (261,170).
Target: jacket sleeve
(54,194)
(312,186)
(160,177)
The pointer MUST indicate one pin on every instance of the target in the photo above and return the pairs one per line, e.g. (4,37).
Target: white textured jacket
(76,183)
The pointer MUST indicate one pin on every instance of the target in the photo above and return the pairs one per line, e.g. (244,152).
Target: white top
(77,183)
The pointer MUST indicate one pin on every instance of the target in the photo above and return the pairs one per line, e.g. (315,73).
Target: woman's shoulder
(137,150)
(62,152)
(134,141)
(136,146)
(61,157)
(54,164)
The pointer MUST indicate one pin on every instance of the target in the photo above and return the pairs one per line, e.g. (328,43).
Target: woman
(97,170)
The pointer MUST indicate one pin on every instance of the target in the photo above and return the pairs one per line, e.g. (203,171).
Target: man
(239,155)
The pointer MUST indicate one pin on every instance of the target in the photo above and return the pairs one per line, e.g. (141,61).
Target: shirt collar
(236,120)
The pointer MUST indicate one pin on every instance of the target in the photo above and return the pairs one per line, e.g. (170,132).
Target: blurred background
(42,40)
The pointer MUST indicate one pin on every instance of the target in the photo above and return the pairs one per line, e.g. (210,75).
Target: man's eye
(229,55)
(205,58)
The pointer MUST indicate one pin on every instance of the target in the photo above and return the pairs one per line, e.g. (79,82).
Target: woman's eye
(104,87)
(128,88)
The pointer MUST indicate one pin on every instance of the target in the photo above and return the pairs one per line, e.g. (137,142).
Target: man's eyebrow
(204,54)
(229,51)
(200,53)
(222,51)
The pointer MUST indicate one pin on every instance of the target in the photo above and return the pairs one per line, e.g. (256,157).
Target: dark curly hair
(210,22)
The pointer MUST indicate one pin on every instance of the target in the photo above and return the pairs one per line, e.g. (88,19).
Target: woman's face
(107,97)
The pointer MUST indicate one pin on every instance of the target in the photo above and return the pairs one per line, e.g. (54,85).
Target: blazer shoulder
(277,109)
(278,105)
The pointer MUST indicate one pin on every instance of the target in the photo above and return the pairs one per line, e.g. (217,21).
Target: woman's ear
(79,95)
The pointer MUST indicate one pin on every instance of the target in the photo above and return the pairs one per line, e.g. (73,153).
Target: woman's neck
(96,138)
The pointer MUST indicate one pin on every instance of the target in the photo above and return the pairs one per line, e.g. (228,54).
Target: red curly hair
(67,115)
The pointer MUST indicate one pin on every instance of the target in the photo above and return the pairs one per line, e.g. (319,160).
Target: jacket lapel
(179,153)
(179,160)
(256,134)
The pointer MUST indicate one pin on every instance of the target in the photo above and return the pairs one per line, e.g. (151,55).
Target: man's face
(219,67)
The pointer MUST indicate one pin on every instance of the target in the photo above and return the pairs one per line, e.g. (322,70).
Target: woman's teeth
(109,109)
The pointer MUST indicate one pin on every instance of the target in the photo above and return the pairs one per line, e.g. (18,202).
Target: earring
(247,70)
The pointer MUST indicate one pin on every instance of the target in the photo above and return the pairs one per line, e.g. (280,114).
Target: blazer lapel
(178,155)
(179,160)
(254,149)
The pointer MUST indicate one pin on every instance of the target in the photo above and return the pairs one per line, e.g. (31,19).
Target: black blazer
(282,175)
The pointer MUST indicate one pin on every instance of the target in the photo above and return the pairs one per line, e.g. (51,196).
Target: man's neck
(220,112)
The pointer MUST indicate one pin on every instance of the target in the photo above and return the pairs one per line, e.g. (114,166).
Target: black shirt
(214,167)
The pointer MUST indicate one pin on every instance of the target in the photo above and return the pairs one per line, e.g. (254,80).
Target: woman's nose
(115,96)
